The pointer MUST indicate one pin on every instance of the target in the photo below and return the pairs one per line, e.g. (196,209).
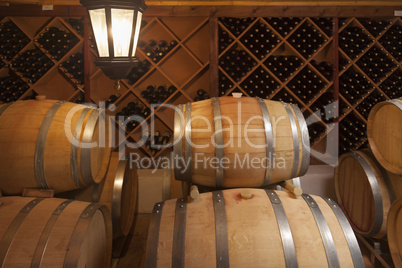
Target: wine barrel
(394,231)
(118,191)
(384,128)
(52,232)
(36,148)
(239,142)
(251,228)
(365,192)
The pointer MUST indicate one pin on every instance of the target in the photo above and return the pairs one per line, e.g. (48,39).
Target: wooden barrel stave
(38,154)
(50,234)
(119,193)
(253,232)
(384,134)
(289,141)
(19,165)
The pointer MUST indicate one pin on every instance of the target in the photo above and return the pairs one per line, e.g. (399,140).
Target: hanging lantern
(116,25)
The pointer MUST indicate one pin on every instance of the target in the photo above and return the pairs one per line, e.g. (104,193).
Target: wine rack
(56,41)
(133,109)
(353,86)
(285,59)
(392,43)
(12,40)
(77,25)
(158,94)
(354,40)
(287,66)
(283,67)
(392,86)
(12,88)
(73,68)
(260,84)
(46,56)
(155,51)
(138,71)
(173,66)
(319,107)
(260,40)
(283,25)
(307,40)
(32,51)
(352,132)
(155,142)
(225,84)
(369,68)
(237,63)
(31,64)
(373,73)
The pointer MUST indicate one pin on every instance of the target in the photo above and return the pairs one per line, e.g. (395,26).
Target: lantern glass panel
(98,20)
(122,26)
(137,31)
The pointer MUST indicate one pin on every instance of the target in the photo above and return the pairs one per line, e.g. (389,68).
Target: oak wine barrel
(36,148)
(239,142)
(251,228)
(119,191)
(365,192)
(395,232)
(52,232)
(384,132)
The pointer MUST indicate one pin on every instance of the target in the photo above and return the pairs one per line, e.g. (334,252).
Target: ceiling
(226,2)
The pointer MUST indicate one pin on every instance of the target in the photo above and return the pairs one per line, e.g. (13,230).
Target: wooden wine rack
(185,66)
(284,47)
(378,90)
(195,63)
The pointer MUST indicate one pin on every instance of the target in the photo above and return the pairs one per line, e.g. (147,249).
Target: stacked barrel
(239,143)
(118,191)
(52,147)
(368,183)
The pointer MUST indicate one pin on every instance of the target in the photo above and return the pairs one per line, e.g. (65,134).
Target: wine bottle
(138,71)
(77,25)
(112,99)
(171,89)
(166,137)
(172,44)
(145,138)
(201,95)
(154,139)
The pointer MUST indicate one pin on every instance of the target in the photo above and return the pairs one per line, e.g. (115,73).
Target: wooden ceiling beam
(228,2)
(36,11)
(217,11)
(273,11)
